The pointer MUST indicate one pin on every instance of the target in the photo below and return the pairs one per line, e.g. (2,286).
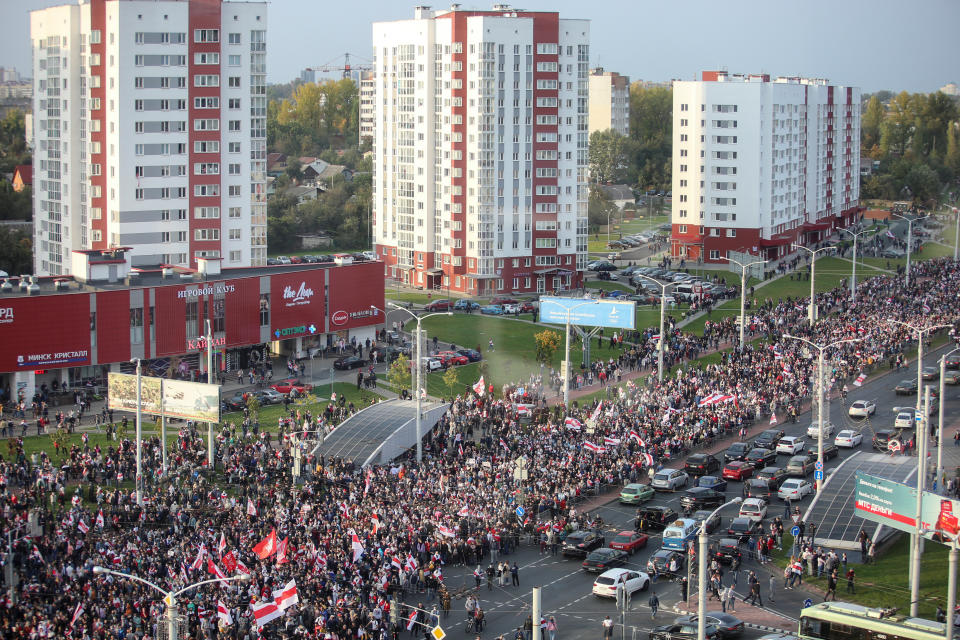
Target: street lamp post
(942,400)
(139,489)
(820,384)
(419,367)
(853,278)
(702,571)
(909,222)
(169,597)
(813,277)
(743,291)
(951,577)
(921,462)
(566,351)
(663,307)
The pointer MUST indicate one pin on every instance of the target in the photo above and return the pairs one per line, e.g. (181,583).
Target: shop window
(264,309)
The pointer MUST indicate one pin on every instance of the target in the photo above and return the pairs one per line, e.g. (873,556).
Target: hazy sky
(873,44)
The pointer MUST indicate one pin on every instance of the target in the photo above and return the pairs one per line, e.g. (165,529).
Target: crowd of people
(360,542)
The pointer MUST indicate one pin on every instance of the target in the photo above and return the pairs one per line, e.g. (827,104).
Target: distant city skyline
(871,44)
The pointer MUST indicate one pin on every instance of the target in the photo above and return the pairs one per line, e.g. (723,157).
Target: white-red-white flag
(251,508)
(446,531)
(242,568)
(223,613)
(198,561)
(859,381)
(375,519)
(356,546)
(479,387)
(99,521)
(411,562)
(222,545)
(82,526)
(773,419)
(213,569)
(613,442)
(412,620)
(287,596)
(589,446)
(264,612)
(572,423)
(76,614)
(282,551)
(596,412)
(395,561)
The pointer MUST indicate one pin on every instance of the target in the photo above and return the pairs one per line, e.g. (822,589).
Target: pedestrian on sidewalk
(851,576)
(607,628)
(725,598)
(831,588)
(654,603)
(773,585)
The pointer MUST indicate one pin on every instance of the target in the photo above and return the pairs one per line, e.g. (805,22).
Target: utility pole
(921,436)
(536,613)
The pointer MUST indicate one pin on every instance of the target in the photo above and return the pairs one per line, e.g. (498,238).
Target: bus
(847,621)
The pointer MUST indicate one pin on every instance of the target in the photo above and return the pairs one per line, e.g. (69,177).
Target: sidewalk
(761,618)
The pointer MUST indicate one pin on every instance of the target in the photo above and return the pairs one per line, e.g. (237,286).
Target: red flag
(229,561)
(213,569)
(282,552)
(267,546)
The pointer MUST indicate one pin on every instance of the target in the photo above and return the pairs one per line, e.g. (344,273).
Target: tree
(16,250)
(871,122)
(599,209)
(608,156)
(952,158)
(547,342)
(651,134)
(253,407)
(59,438)
(399,374)
(451,380)
(897,128)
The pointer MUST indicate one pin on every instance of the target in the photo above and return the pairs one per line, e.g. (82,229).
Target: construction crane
(346,67)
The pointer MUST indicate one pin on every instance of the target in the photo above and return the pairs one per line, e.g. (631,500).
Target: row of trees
(342,211)
(315,117)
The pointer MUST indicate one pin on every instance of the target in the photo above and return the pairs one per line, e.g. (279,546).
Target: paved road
(566,593)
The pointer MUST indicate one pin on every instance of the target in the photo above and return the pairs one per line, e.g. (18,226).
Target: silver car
(670,480)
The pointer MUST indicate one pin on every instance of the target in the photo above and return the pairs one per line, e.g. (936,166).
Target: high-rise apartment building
(366,93)
(759,164)
(150,131)
(480,142)
(609,101)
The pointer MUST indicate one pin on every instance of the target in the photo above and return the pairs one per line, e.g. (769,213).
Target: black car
(761,457)
(472,354)
(701,517)
(758,488)
(830,451)
(727,550)
(744,528)
(700,464)
(602,559)
(236,402)
(654,518)
(701,498)
(273,262)
(728,626)
(769,438)
(667,562)
(906,387)
(682,632)
(580,543)
(711,482)
(348,362)
(736,451)
(882,438)
(774,476)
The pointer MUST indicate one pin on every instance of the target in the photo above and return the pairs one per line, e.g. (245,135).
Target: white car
(607,582)
(813,430)
(791,445)
(753,508)
(848,438)
(905,418)
(431,364)
(670,480)
(511,308)
(862,409)
(794,489)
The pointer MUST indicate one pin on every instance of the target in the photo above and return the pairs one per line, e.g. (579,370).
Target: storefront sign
(356,296)
(341,317)
(201,343)
(45,331)
(6,315)
(299,296)
(294,331)
(297,303)
(207,290)
(58,357)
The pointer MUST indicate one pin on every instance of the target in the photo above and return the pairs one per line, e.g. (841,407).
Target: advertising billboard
(296,303)
(174,398)
(590,313)
(895,504)
(352,291)
(33,335)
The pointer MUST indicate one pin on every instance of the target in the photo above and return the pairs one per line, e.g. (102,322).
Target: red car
(439,305)
(504,300)
(629,541)
(452,358)
(738,470)
(285,386)
(527,307)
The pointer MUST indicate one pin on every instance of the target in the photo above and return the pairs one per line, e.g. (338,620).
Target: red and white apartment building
(761,163)
(480,142)
(150,131)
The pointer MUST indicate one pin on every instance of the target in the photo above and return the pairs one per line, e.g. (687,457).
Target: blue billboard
(587,312)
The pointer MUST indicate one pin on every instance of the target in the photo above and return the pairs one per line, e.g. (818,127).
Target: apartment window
(206,58)
(233,147)
(234,234)
(233,82)
(136,326)
(234,256)
(208,102)
(234,169)
(233,38)
(714,254)
(234,212)
(97,235)
(206,234)
(206,190)
(681,229)
(234,125)
(206,35)
(233,60)
(206,212)
(206,146)
(206,80)
(206,124)
(233,103)
(731,233)
(233,190)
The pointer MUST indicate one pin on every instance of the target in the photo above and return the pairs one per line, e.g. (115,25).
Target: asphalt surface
(566,592)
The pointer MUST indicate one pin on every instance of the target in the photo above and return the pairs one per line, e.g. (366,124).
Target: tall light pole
(702,571)
(956,237)
(743,291)
(853,278)
(951,576)
(909,222)
(210,461)
(663,307)
(820,384)
(169,597)
(139,431)
(921,459)
(419,367)
(813,277)
(566,351)
(942,400)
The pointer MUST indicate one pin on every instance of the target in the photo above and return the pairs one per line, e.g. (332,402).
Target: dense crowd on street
(358,541)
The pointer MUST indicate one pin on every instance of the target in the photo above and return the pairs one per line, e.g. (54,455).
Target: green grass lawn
(884,583)
(608,285)
(415,298)
(312,403)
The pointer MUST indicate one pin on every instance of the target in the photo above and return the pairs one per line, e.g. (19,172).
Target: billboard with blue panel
(588,313)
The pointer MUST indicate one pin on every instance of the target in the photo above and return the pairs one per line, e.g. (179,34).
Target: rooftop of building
(726,76)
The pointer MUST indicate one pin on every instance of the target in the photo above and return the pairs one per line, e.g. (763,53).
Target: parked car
(472,355)
(511,308)
(269,396)
(711,482)
(492,310)
(862,409)
(439,305)
(667,562)
(738,470)
(727,550)
(604,266)
(580,543)
(800,466)
(654,518)
(429,363)
(757,488)
(629,541)
(501,300)
(761,457)
(670,480)
(727,625)
(636,493)
(236,402)
(736,451)
(701,498)
(701,464)
(882,438)
(608,582)
(348,362)
(848,438)
(604,558)
(465,305)
(791,445)
(753,508)
(291,385)
(452,358)
(795,489)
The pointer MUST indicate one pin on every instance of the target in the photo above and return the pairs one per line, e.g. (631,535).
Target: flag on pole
(198,561)
(268,546)
(504,444)
(213,569)
(242,568)
(460,450)
(395,561)
(222,545)
(648,459)
(592,447)
(282,551)
(76,614)
(287,596)
(464,511)
(229,561)
(99,521)
(357,547)
(224,613)
(412,620)
(446,531)
(596,412)
(613,442)
(82,526)
(251,508)
(264,612)
(411,562)
(890,235)
(36,554)
(773,419)
(636,436)
(859,381)
(926,307)
(479,387)
(375,519)
(572,423)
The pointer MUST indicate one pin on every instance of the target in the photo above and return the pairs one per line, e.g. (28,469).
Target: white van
(685,291)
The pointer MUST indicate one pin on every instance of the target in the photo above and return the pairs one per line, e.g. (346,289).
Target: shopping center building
(74,329)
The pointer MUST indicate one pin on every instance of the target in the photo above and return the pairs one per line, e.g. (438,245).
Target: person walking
(607,628)
(831,588)
(773,586)
(515,574)
(851,576)
(552,629)
(654,603)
